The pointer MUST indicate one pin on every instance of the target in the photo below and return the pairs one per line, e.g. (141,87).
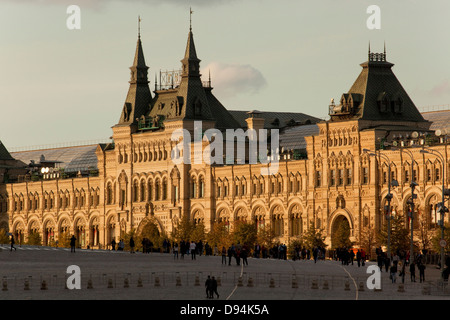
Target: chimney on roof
(254,121)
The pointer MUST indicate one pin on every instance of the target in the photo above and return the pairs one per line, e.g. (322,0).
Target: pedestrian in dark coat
(412,270)
(214,288)
(230,255)
(224,255)
(358,258)
(12,243)
(208,288)
(244,255)
(421,268)
(131,245)
(72,243)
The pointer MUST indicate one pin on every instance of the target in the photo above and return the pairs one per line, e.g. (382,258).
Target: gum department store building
(99,192)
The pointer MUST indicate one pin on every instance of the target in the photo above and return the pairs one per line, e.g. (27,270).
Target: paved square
(115,275)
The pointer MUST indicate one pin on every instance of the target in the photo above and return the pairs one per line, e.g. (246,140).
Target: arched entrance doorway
(341,232)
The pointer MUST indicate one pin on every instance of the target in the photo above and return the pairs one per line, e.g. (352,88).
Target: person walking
(315,252)
(12,243)
(358,257)
(121,245)
(224,255)
(72,243)
(244,255)
(421,268)
(131,245)
(363,257)
(208,288)
(214,288)
(230,255)
(237,255)
(393,273)
(412,270)
(113,244)
(192,249)
(352,255)
(380,261)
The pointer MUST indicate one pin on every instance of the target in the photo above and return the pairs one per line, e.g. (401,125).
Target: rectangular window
(332,177)
(340,177)
(349,176)
(438,176)
(365,175)
(318,178)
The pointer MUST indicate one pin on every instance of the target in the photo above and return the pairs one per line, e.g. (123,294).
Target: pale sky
(59,85)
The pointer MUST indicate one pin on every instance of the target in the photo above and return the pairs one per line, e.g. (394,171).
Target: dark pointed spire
(139,60)
(139,27)
(190,53)
(190,62)
(190,19)
(139,96)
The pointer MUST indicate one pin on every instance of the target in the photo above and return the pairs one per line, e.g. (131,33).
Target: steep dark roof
(377,95)
(4,154)
(137,102)
(223,117)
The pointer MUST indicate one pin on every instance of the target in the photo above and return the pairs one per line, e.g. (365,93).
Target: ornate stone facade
(337,181)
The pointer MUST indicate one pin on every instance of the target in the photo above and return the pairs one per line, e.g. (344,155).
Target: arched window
(157,190)
(201,187)
(109,194)
(142,191)
(164,189)
(193,187)
(149,190)
(135,191)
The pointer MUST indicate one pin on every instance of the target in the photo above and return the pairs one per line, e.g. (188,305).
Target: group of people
(211,288)
(347,256)
(121,245)
(399,264)
(237,252)
(318,253)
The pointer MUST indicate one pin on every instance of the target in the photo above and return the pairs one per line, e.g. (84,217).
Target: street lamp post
(413,185)
(388,198)
(442,208)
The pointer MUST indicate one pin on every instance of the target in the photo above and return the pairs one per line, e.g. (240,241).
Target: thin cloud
(233,79)
(441,89)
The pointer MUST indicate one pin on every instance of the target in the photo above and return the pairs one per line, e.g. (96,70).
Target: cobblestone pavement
(113,275)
